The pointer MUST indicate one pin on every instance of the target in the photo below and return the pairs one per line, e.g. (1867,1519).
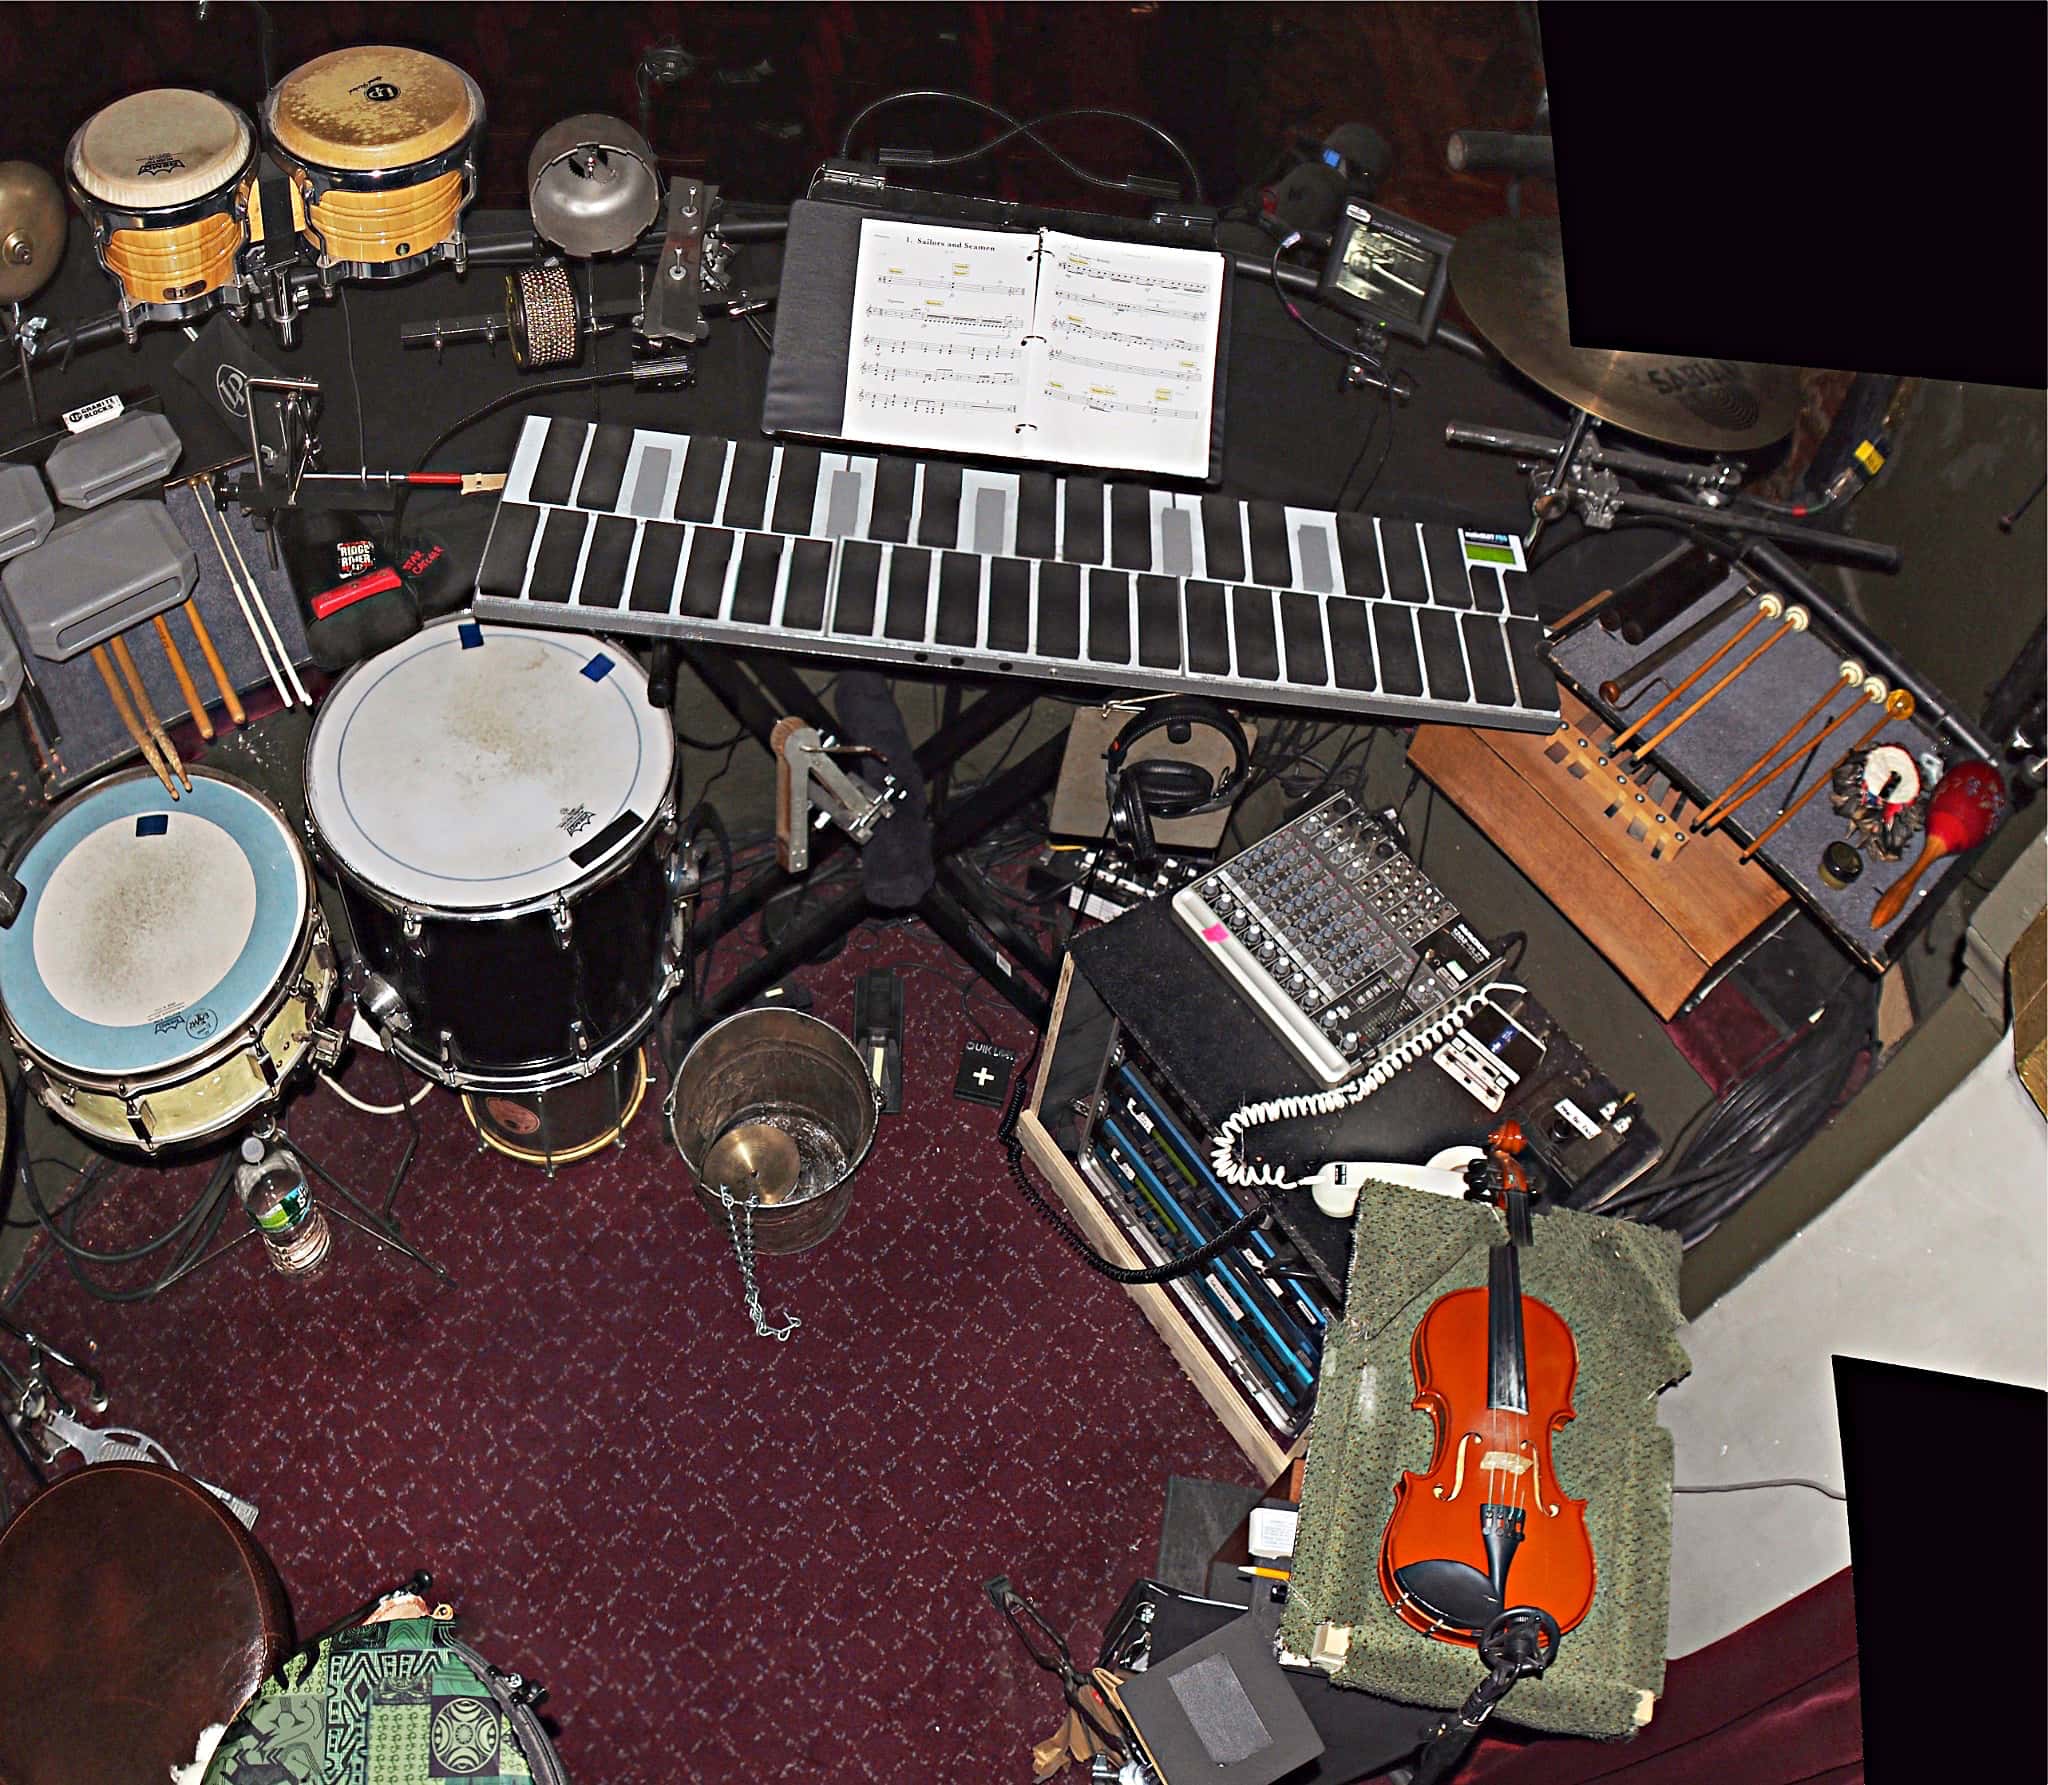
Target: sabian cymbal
(32,224)
(1509,276)
(754,1161)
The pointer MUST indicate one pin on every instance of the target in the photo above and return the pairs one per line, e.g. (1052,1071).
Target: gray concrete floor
(1937,1258)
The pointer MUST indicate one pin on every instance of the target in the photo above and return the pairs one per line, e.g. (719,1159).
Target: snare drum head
(150,928)
(161,148)
(372,107)
(477,767)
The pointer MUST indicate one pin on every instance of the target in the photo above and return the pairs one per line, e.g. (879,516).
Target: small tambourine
(1882,792)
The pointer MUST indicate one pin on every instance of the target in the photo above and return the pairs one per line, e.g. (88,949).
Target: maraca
(1965,809)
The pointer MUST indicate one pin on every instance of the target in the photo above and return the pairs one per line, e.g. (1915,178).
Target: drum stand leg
(379,1222)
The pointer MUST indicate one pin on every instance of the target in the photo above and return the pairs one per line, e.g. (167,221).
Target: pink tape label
(1215,933)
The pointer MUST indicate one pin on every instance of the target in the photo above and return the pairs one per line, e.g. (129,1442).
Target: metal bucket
(777,1107)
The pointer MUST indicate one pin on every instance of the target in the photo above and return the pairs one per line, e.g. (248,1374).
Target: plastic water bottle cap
(252,1150)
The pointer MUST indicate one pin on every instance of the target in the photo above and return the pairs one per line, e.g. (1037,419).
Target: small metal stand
(760,690)
(378,1220)
(31,1396)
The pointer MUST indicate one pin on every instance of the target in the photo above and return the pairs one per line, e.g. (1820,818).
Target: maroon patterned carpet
(727,1559)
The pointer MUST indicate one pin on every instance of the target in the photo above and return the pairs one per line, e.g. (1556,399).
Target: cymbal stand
(1586,477)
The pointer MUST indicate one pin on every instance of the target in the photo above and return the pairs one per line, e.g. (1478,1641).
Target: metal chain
(743,1249)
(742,1232)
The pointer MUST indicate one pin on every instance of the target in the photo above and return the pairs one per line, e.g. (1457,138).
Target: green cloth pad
(380,1704)
(1616,1285)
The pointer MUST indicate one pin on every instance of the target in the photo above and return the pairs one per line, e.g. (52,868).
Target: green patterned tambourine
(401,1703)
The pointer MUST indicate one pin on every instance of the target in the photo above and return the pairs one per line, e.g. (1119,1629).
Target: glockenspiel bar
(895,559)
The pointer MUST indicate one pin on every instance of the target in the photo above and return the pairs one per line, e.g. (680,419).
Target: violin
(1486,1527)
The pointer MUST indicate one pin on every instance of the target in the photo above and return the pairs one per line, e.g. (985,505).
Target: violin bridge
(1507,1462)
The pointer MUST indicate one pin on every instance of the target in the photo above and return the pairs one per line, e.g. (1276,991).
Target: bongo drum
(497,805)
(380,146)
(163,178)
(169,969)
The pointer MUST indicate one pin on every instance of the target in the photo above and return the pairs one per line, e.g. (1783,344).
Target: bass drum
(497,806)
(169,968)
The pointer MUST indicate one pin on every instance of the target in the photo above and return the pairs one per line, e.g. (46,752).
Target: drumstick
(263,610)
(1899,706)
(175,659)
(206,514)
(228,697)
(1580,612)
(1768,608)
(1794,620)
(1720,806)
(150,722)
(128,718)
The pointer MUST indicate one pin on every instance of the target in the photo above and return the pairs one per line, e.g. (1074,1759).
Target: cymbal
(756,1162)
(32,225)
(1509,276)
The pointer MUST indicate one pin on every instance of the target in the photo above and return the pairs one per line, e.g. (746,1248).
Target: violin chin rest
(1453,1593)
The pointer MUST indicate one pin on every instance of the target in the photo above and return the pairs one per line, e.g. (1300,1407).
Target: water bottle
(275,1192)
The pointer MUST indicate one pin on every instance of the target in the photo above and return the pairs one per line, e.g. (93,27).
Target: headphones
(1140,792)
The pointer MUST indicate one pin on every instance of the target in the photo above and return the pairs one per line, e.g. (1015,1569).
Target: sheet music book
(1044,346)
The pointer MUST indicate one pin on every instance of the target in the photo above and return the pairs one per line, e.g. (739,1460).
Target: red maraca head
(1966,807)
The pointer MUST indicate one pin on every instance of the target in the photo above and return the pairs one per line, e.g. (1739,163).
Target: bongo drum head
(160,148)
(476,767)
(150,929)
(136,1616)
(372,107)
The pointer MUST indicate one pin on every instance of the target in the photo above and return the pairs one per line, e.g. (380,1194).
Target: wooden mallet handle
(228,697)
(1901,889)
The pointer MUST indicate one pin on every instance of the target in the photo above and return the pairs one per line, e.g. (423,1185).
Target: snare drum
(380,145)
(169,968)
(497,806)
(164,179)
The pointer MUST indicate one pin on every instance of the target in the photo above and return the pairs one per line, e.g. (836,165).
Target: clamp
(806,776)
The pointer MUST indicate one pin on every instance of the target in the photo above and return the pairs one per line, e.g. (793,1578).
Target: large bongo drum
(137,1618)
(380,146)
(163,178)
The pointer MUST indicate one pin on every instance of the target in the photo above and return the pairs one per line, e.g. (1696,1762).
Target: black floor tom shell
(497,806)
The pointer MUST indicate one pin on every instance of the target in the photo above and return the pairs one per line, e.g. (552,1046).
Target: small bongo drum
(163,178)
(380,146)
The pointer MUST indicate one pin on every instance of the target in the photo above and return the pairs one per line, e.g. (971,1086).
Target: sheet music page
(1124,371)
(938,351)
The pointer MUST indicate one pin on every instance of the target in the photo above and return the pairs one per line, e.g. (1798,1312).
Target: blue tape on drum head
(152,824)
(598,667)
(471,634)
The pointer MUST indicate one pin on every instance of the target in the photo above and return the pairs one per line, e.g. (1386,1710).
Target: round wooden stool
(135,1612)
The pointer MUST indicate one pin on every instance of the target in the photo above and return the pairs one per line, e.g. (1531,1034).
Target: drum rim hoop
(252,143)
(210,1054)
(310,920)
(308,161)
(535,1080)
(661,811)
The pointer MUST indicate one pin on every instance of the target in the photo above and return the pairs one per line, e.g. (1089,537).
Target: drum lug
(410,928)
(578,1035)
(326,1046)
(559,917)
